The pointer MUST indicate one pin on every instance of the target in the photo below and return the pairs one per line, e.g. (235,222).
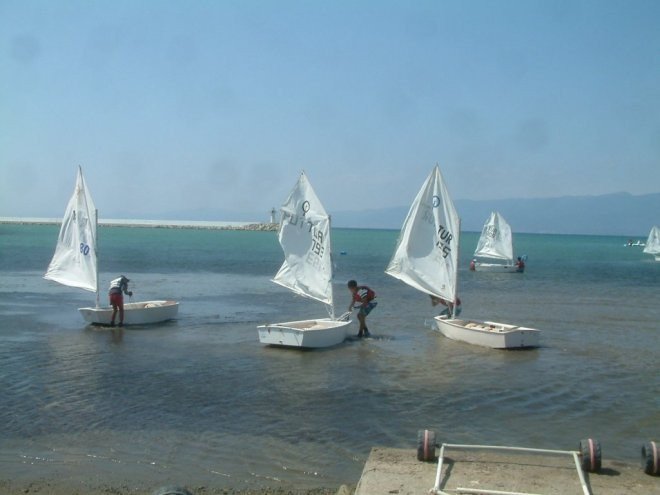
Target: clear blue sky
(177,105)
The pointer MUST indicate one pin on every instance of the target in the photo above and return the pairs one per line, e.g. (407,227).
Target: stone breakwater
(268,227)
(255,227)
(160,224)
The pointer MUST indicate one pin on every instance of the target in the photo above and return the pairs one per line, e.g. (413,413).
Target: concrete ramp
(398,472)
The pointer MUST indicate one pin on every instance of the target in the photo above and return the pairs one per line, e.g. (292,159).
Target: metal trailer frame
(436,488)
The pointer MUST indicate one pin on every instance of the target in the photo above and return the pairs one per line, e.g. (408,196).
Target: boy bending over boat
(364,297)
(118,287)
(448,311)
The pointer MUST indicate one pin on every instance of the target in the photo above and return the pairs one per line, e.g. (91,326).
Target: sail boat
(494,251)
(75,263)
(653,243)
(304,235)
(426,258)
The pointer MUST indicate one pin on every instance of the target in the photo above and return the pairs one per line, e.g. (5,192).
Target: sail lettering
(315,254)
(295,220)
(84,248)
(318,239)
(289,218)
(427,214)
(444,240)
(491,231)
(314,261)
(317,243)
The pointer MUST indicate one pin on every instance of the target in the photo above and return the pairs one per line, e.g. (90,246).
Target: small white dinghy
(488,333)
(494,252)
(304,235)
(135,313)
(653,243)
(75,263)
(426,258)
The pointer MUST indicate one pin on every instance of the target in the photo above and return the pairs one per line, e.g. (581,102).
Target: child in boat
(448,306)
(364,297)
(118,287)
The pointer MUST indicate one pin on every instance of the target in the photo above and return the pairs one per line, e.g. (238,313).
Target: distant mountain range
(610,214)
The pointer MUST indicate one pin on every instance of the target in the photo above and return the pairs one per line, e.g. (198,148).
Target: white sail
(653,242)
(495,241)
(426,256)
(74,261)
(304,235)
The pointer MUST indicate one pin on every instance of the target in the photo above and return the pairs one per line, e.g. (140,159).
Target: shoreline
(59,487)
(156,224)
(388,471)
(50,487)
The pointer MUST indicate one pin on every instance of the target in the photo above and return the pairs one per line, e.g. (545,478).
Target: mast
(458,257)
(332,268)
(96,252)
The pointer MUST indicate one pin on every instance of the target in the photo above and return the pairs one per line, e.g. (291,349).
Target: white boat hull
(312,334)
(495,267)
(135,313)
(488,333)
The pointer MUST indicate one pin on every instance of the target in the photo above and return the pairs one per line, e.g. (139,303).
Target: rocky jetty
(159,224)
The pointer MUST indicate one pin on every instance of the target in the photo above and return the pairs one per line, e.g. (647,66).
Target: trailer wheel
(650,459)
(171,490)
(591,455)
(426,443)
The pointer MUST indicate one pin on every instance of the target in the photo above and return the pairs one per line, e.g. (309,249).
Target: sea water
(199,401)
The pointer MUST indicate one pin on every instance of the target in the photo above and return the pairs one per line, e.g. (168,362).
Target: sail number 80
(84,248)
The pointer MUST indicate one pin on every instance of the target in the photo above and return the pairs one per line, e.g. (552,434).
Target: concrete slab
(398,472)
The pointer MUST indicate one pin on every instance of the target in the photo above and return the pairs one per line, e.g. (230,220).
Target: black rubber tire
(591,455)
(651,458)
(171,490)
(426,443)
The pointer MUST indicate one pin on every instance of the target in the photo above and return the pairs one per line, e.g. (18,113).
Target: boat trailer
(587,459)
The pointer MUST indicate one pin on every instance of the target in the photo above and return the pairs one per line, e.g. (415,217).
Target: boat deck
(304,325)
(485,327)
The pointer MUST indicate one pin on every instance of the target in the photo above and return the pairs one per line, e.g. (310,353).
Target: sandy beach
(63,487)
(397,471)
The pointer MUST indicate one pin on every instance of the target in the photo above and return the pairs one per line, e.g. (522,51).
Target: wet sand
(59,487)
(397,471)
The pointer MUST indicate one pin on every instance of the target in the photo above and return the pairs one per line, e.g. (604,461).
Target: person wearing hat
(118,287)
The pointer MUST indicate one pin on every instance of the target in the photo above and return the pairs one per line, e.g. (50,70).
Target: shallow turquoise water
(200,401)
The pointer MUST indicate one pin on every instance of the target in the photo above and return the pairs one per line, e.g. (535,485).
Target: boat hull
(135,313)
(496,267)
(488,333)
(311,334)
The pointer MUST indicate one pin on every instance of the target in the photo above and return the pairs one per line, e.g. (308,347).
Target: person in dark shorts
(118,287)
(363,297)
